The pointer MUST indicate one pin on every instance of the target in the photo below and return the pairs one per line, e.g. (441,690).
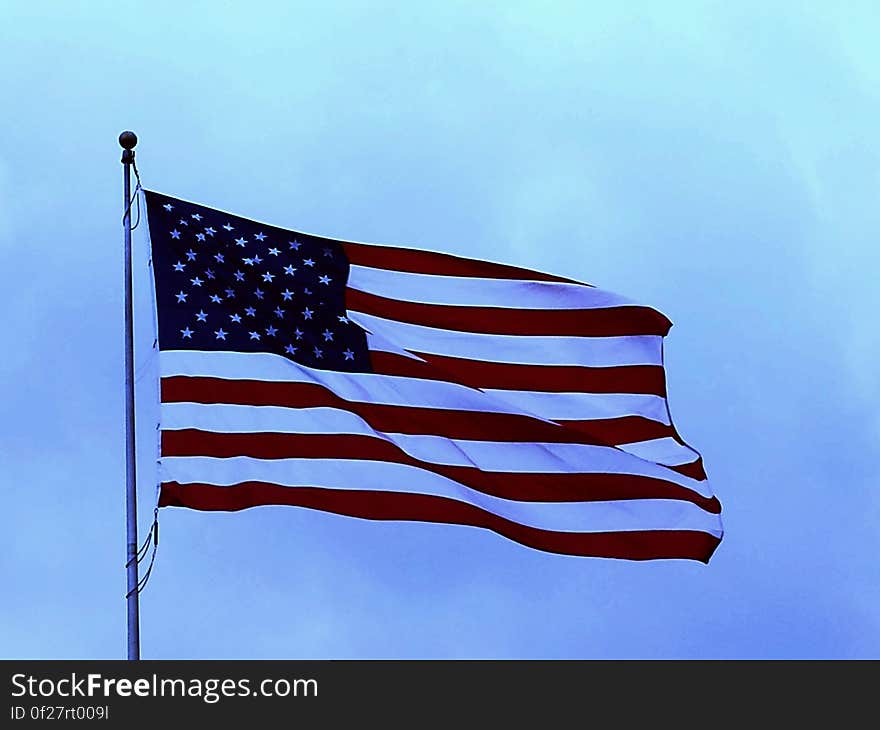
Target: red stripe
(643,379)
(468,425)
(635,545)
(525,487)
(443,264)
(608,322)
(694,470)
(616,431)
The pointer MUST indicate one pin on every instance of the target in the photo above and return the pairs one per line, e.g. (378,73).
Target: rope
(153,534)
(134,196)
(142,553)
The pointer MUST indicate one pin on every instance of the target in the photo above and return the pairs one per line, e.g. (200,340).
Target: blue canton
(228,283)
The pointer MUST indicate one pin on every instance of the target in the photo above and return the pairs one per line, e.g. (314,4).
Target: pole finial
(128,140)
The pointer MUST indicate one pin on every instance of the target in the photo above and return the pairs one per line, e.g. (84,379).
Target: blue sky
(716,160)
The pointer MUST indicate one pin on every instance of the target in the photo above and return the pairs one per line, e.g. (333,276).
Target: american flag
(396,384)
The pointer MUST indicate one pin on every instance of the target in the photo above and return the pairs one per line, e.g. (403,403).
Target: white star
(227,227)
(289,270)
(258,293)
(235,317)
(219,257)
(201,316)
(270,330)
(250,311)
(190,255)
(328,335)
(295,245)
(308,262)
(324,279)
(209,273)
(175,233)
(196,217)
(319,353)
(287,294)
(249,262)
(257,260)
(260,236)
(196,282)
(268,277)
(307,313)
(210,231)
(168,207)
(342,318)
(328,252)
(349,355)
(187,333)
(254,335)
(274,251)
(221,335)
(240,241)
(200,236)
(230,293)
(307,291)
(216,299)
(279,312)
(298,333)
(181,296)
(290,350)
(179,266)
(239,276)
(183,222)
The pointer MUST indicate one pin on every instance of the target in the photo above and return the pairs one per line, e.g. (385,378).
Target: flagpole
(128,140)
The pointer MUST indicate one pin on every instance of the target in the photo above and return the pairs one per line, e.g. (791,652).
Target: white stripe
(343,474)
(585,406)
(415,392)
(473,291)
(498,456)
(519,349)
(662,451)
(380,344)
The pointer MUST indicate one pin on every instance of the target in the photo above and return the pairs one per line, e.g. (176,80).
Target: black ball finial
(128,140)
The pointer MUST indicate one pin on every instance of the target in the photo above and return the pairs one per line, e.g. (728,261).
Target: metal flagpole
(128,140)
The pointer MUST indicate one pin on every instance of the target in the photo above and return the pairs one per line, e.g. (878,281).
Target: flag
(395,384)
